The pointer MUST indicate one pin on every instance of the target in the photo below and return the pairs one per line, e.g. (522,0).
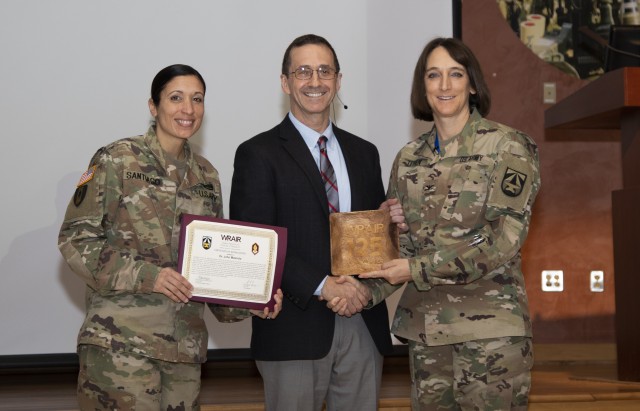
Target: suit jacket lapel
(294,144)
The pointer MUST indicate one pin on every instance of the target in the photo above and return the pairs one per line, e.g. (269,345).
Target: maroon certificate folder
(230,262)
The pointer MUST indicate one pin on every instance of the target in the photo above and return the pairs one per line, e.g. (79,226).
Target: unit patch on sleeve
(79,195)
(512,184)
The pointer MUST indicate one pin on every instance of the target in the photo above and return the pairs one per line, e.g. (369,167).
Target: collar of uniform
(427,144)
(468,134)
(194,174)
(151,140)
(461,144)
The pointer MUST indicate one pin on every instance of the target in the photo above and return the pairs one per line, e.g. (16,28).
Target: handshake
(345,295)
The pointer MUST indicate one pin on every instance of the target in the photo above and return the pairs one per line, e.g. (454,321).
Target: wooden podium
(611,104)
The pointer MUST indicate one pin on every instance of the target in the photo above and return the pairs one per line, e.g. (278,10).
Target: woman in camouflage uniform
(143,341)
(467,188)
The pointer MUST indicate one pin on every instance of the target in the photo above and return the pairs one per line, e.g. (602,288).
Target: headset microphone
(340,100)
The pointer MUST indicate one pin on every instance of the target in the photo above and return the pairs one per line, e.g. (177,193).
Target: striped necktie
(328,176)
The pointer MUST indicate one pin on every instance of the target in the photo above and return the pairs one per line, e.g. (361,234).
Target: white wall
(76,74)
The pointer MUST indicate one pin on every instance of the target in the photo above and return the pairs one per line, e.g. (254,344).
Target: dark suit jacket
(277,182)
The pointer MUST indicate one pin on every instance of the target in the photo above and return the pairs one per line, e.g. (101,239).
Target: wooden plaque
(361,241)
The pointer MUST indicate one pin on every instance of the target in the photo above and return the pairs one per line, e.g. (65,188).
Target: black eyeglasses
(306,72)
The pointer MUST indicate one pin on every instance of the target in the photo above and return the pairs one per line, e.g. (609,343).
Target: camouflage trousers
(491,374)
(125,381)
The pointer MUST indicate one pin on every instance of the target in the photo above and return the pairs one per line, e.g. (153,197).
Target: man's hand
(395,272)
(173,285)
(396,212)
(339,306)
(352,295)
(270,315)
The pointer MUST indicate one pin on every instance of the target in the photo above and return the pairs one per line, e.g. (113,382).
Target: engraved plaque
(361,241)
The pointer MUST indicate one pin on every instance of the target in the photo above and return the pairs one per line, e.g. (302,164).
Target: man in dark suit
(309,355)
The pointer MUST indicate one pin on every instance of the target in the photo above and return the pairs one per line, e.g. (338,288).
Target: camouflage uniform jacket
(120,229)
(468,209)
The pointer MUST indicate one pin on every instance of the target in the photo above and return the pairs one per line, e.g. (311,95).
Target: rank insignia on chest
(513,182)
(206,242)
(87,176)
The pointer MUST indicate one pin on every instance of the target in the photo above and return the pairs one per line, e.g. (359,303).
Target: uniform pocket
(468,187)
(509,360)
(93,397)
(142,206)
(95,387)
(455,183)
(419,204)
(199,199)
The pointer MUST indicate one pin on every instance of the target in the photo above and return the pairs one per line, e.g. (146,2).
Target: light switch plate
(549,93)
(596,281)
(552,280)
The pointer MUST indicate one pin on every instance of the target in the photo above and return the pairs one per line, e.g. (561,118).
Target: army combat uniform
(468,207)
(120,229)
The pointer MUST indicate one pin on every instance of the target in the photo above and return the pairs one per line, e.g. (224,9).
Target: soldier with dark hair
(467,188)
(143,341)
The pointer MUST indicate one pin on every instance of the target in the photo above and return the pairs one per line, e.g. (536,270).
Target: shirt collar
(309,135)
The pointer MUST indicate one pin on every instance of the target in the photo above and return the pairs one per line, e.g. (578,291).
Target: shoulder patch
(87,176)
(79,195)
(512,184)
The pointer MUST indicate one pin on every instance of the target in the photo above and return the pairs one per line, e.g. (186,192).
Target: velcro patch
(512,184)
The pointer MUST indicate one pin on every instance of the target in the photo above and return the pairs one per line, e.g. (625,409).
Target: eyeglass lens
(324,72)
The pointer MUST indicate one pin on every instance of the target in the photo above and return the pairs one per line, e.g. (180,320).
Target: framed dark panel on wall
(623,49)
(456,7)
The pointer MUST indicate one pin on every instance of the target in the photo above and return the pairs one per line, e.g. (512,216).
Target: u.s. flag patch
(87,176)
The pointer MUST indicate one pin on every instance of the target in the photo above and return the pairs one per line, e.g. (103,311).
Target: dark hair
(303,41)
(458,51)
(169,73)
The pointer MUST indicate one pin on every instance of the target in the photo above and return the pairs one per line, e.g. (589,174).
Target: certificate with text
(231,262)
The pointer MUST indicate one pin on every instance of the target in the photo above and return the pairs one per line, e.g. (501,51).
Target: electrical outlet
(549,93)
(597,281)
(552,280)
